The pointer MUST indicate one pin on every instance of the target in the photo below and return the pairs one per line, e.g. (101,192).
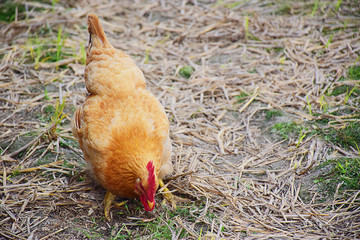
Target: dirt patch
(238,178)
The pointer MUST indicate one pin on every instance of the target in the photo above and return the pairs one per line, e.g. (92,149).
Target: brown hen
(122,127)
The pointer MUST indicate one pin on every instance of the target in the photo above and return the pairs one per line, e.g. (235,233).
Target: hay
(222,157)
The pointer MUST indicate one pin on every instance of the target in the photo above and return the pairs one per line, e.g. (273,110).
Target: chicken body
(122,126)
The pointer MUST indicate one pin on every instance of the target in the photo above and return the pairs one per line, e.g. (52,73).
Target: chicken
(122,128)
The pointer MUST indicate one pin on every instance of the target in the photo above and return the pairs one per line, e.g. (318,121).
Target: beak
(151,205)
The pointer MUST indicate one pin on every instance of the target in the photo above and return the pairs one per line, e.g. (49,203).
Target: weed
(31,134)
(348,94)
(329,41)
(46,97)
(275,50)
(338,4)
(273,113)
(246,28)
(301,137)
(69,142)
(82,56)
(323,103)
(284,129)
(59,45)
(232,4)
(48,112)
(186,71)
(315,8)
(56,118)
(347,135)
(309,105)
(93,232)
(278,49)
(47,158)
(54,2)
(45,30)
(354,72)
(344,174)
(322,121)
(282,60)
(160,228)
(48,49)
(8,10)
(284,9)
(344,89)
(184,212)
(15,173)
(241,97)
(119,235)
(38,51)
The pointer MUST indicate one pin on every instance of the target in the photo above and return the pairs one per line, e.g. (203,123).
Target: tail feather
(97,34)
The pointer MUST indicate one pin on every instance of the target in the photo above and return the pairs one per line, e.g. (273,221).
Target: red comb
(151,181)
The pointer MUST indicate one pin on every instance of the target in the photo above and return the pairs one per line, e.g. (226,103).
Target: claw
(109,203)
(167,194)
(108,199)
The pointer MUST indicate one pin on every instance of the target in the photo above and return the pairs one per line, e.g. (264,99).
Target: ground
(262,97)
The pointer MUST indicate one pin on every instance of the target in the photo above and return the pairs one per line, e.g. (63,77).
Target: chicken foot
(167,194)
(109,203)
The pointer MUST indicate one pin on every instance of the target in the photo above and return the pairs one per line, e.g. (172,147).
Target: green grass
(46,97)
(82,55)
(48,111)
(246,28)
(8,9)
(69,142)
(275,50)
(31,134)
(47,158)
(54,115)
(354,72)
(270,114)
(57,117)
(241,97)
(344,89)
(42,50)
(119,235)
(345,136)
(47,47)
(315,8)
(343,174)
(232,5)
(161,228)
(93,231)
(59,45)
(284,9)
(287,129)
(165,225)
(338,4)
(186,71)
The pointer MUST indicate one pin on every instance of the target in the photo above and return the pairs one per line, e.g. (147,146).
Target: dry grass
(227,165)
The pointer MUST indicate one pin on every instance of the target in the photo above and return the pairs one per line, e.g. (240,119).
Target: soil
(234,177)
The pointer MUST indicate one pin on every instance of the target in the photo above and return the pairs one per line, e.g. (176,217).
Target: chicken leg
(167,194)
(109,203)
